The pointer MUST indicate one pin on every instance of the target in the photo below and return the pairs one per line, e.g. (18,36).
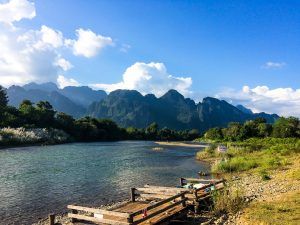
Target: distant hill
(71,100)
(244,109)
(172,110)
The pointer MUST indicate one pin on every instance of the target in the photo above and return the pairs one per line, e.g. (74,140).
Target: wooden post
(181,181)
(130,219)
(184,202)
(132,194)
(74,211)
(197,207)
(51,219)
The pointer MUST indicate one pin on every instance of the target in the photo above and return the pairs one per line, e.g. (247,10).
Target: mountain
(83,95)
(244,109)
(59,102)
(172,110)
(71,100)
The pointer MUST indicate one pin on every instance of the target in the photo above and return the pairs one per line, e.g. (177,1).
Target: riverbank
(180,144)
(20,137)
(267,174)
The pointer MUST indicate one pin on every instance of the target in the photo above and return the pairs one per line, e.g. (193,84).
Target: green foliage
(263,153)
(257,128)
(230,200)
(214,134)
(3,98)
(208,152)
(286,127)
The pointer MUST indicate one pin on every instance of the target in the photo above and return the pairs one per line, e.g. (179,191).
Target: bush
(230,200)
(235,164)
(208,152)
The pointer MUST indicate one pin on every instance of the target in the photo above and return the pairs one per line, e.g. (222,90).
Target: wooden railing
(137,217)
(97,214)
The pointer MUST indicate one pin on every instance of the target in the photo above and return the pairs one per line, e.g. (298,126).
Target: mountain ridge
(130,108)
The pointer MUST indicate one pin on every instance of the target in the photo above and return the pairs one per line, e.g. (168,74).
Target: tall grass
(263,153)
(229,200)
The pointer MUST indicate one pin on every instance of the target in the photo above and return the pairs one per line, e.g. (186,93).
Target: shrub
(230,200)
(234,165)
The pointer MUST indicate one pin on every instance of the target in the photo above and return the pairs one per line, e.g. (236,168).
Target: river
(36,181)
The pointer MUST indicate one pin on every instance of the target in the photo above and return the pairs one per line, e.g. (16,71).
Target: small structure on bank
(152,204)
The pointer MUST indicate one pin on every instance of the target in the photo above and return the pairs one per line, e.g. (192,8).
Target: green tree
(214,134)
(286,127)
(151,131)
(28,113)
(233,131)
(45,114)
(3,98)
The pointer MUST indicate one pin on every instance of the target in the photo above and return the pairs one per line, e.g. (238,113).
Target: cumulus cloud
(15,10)
(274,65)
(64,82)
(63,63)
(30,55)
(36,55)
(283,101)
(149,78)
(88,44)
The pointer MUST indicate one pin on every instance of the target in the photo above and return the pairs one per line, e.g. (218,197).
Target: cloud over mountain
(149,78)
(283,101)
(38,55)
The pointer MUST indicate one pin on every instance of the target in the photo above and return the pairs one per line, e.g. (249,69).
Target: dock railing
(137,217)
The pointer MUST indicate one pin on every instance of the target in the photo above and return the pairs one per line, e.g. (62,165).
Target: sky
(246,52)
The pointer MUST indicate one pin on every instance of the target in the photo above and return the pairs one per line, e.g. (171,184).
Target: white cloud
(63,63)
(15,10)
(64,82)
(274,65)
(149,78)
(30,56)
(283,101)
(88,43)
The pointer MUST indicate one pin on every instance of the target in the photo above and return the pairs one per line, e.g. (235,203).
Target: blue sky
(243,51)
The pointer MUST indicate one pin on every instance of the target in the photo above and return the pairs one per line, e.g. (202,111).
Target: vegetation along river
(36,181)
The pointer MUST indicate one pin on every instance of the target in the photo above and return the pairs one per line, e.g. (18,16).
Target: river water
(36,181)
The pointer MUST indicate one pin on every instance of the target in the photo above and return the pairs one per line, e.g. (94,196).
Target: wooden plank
(158,190)
(100,211)
(159,211)
(97,220)
(166,188)
(200,180)
(155,196)
(158,204)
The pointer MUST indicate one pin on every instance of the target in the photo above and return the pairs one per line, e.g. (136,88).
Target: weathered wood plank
(159,190)
(97,220)
(166,188)
(100,211)
(154,196)
(158,204)
(160,211)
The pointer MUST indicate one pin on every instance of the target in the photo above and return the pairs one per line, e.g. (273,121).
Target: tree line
(42,115)
(282,128)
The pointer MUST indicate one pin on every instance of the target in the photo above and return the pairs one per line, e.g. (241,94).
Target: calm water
(35,181)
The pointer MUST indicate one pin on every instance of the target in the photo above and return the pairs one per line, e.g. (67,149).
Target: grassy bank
(269,174)
(31,136)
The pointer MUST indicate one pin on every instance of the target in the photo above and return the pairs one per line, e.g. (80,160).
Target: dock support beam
(181,181)
(51,219)
(74,211)
(132,194)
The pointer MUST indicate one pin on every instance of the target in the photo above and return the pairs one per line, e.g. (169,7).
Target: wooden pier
(149,204)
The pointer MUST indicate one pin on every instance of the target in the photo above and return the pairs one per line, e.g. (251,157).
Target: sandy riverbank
(181,144)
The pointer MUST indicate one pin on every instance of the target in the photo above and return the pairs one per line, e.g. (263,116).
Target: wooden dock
(149,204)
